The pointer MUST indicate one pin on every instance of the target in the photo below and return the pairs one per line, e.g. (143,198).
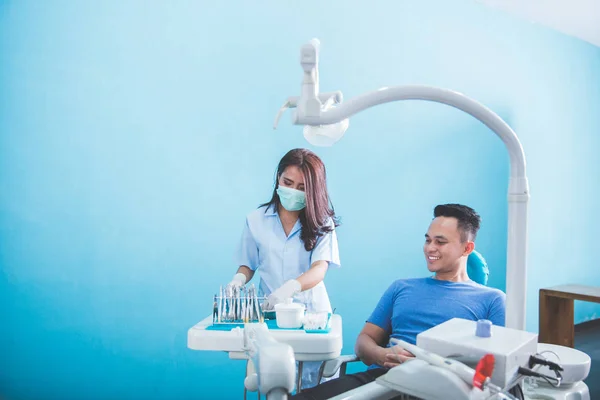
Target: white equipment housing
(456,339)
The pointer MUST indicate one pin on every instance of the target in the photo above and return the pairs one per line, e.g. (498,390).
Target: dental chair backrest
(477,268)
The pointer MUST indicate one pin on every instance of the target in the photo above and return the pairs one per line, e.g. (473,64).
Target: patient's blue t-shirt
(411,306)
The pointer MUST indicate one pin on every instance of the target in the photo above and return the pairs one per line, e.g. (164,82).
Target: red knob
(484,370)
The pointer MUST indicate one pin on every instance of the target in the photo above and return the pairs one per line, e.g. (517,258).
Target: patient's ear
(469,247)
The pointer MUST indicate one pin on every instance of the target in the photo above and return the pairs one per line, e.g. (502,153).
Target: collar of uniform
(271,211)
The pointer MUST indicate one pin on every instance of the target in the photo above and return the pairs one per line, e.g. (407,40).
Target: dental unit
(458,359)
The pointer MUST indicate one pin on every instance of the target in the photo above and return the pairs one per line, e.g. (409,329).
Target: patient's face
(443,248)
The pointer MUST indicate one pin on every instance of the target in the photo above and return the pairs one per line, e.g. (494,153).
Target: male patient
(411,306)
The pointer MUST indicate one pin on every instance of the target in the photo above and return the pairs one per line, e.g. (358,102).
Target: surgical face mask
(291,199)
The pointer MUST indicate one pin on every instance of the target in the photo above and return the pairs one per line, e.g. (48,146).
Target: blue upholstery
(477,268)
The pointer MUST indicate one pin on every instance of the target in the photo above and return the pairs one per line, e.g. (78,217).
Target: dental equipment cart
(239,326)
(305,346)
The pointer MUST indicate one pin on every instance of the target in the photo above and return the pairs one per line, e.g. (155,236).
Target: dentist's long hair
(318,217)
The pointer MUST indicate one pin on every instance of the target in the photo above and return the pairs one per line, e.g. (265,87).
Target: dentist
(291,240)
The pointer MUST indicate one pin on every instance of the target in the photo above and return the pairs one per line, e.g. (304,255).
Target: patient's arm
(370,345)
(371,348)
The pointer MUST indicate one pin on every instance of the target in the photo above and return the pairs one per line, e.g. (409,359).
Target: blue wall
(135,136)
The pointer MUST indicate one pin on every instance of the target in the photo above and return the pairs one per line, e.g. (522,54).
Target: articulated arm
(311,112)
(273,361)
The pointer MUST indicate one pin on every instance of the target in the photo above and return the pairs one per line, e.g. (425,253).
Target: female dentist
(291,240)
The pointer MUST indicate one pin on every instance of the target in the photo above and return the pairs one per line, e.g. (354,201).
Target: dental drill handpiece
(466,373)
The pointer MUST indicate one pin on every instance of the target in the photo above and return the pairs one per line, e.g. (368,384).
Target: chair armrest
(331,367)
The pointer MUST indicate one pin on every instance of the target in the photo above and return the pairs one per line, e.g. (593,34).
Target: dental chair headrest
(477,268)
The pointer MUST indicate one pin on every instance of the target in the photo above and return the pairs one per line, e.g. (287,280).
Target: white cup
(289,315)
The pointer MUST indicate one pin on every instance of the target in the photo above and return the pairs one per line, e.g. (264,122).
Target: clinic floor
(587,339)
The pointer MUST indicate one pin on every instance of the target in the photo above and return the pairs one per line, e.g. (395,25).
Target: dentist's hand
(397,355)
(287,290)
(238,280)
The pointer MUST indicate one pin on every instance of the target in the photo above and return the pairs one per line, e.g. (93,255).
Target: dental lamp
(325,119)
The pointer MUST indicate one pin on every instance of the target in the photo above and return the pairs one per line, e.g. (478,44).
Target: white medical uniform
(279,258)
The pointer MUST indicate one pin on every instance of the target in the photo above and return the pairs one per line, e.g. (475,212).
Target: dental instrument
(215,309)
(237,305)
(315,109)
(469,375)
(220,304)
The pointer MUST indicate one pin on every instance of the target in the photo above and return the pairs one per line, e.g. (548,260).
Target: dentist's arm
(247,256)
(313,276)
(324,255)
(307,280)
(243,275)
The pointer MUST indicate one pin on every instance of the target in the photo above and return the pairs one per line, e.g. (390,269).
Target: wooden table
(557,325)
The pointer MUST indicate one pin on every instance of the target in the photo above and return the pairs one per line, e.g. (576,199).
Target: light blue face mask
(291,199)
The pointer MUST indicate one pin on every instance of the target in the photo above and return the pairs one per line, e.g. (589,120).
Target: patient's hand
(397,356)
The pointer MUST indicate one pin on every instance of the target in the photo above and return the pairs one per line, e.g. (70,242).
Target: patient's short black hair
(468,220)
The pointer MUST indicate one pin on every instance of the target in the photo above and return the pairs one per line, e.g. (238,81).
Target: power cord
(534,360)
(538,359)
(554,381)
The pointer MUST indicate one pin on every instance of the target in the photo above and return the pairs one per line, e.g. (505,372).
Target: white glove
(238,280)
(288,290)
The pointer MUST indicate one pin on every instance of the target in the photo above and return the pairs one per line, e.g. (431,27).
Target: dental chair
(477,270)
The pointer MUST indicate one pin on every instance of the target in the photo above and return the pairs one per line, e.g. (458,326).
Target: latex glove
(238,280)
(287,290)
